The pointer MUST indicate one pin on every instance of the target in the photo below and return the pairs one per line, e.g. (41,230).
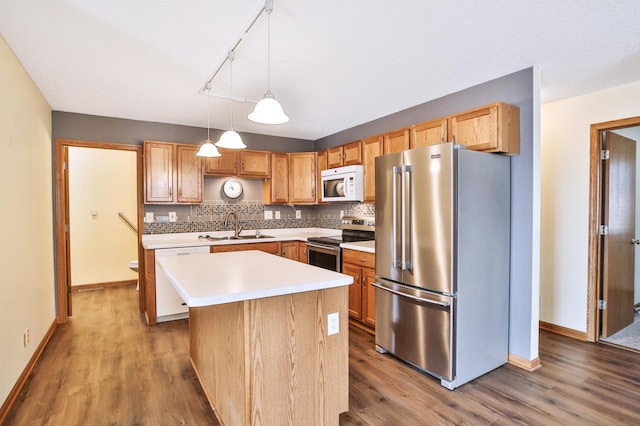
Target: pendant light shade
(231,140)
(268,111)
(207,148)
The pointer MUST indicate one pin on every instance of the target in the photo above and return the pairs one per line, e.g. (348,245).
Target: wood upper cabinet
(362,296)
(344,155)
(226,165)
(302,177)
(428,133)
(254,163)
(173,173)
(189,174)
(371,148)
(289,249)
(279,182)
(321,164)
(396,141)
(493,128)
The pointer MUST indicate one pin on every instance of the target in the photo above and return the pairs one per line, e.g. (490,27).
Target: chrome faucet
(238,228)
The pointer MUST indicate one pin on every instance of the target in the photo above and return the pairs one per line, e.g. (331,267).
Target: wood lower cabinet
(290,250)
(362,295)
(493,128)
(302,178)
(428,133)
(173,173)
(302,252)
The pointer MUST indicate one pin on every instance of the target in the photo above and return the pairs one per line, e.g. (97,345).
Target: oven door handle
(323,249)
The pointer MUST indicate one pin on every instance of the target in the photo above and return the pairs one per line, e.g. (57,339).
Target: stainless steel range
(326,253)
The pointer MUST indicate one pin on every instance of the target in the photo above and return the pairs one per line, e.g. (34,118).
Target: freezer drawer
(416,326)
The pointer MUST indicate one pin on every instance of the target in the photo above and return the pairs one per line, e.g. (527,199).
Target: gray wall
(67,125)
(516,89)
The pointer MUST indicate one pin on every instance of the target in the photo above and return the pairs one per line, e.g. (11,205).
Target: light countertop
(366,246)
(206,279)
(190,239)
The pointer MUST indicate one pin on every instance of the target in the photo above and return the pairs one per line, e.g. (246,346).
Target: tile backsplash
(210,216)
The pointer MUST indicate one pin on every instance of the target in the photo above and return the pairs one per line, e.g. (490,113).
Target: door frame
(594,284)
(60,213)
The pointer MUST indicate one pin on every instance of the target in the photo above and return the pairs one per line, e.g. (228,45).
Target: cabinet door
(368,297)
(302,252)
(321,163)
(279,178)
(334,157)
(396,141)
(158,170)
(371,148)
(255,163)
(355,292)
(290,250)
(352,153)
(302,178)
(226,165)
(189,174)
(428,133)
(494,128)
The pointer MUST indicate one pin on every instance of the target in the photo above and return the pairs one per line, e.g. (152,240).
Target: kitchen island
(261,339)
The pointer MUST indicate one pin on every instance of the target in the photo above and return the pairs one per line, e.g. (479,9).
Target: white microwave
(343,184)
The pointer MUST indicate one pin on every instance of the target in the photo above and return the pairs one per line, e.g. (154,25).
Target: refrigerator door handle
(395,263)
(409,296)
(406,209)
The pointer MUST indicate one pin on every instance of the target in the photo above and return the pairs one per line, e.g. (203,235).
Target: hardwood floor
(106,367)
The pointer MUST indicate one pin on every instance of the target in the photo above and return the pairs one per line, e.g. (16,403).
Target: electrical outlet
(333,324)
(277,214)
(298,214)
(173,217)
(268,215)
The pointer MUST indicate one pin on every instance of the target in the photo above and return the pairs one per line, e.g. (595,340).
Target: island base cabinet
(271,361)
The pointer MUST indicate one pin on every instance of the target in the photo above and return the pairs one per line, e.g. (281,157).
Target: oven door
(326,257)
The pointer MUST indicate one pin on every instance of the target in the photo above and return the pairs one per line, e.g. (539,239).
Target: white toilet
(133,265)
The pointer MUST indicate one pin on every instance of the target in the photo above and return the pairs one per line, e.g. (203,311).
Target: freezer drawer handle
(419,299)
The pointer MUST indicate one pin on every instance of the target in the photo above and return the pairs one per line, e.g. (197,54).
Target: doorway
(63,214)
(612,221)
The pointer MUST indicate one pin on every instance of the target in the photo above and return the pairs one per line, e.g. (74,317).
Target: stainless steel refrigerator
(442,260)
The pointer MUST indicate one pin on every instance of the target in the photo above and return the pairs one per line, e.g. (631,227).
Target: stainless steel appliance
(442,260)
(343,184)
(325,252)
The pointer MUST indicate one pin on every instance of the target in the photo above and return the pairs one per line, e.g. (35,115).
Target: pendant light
(268,110)
(231,139)
(208,149)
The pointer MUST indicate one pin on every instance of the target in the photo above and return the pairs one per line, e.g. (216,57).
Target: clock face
(232,188)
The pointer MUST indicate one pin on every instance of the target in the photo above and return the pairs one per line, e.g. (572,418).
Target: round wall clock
(232,188)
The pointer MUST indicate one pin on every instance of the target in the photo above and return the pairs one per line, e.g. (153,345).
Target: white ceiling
(334,63)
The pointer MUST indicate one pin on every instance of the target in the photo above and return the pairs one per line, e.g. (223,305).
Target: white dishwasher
(169,305)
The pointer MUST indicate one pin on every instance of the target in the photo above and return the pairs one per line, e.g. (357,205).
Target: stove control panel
(353,222)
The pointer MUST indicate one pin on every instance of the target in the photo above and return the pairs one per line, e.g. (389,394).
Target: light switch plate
(277,214)
(333,323)
(268,215)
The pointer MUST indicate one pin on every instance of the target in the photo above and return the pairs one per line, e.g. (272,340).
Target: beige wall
(102,182)
(27,293)
(565,198)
